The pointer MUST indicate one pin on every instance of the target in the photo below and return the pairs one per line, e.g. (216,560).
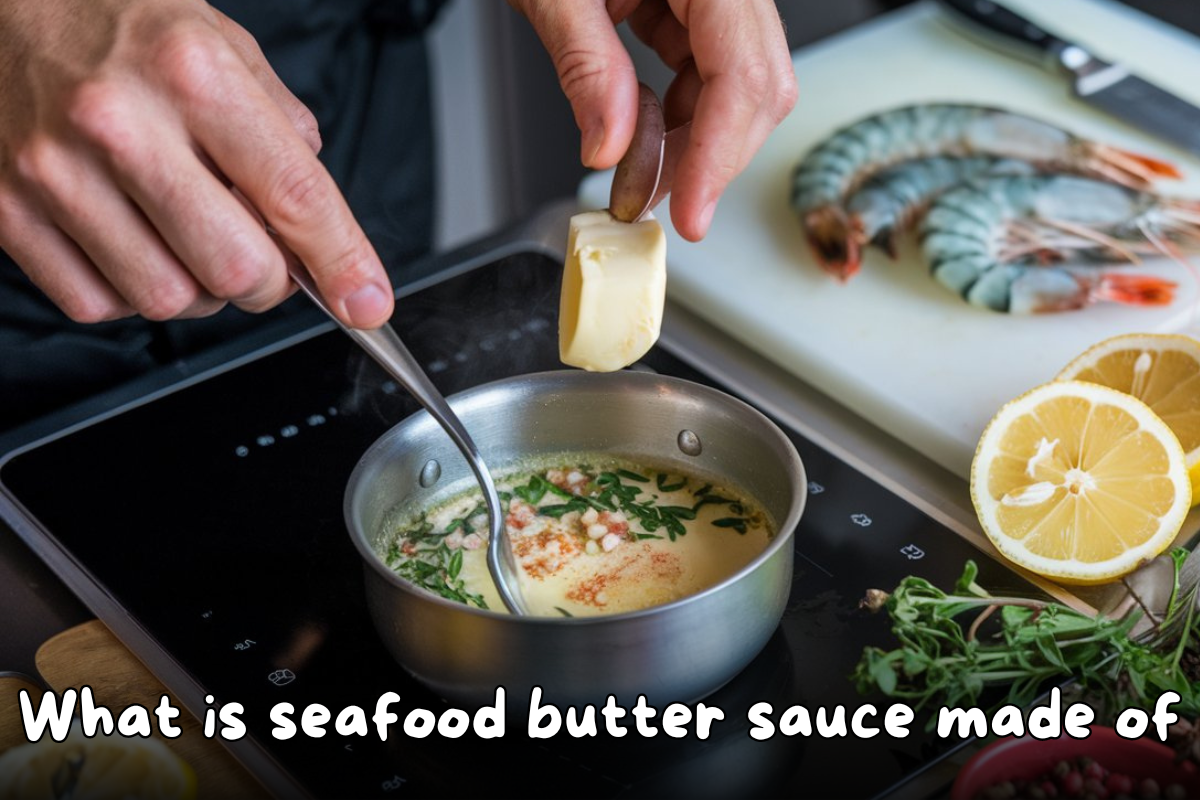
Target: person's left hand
(734,82)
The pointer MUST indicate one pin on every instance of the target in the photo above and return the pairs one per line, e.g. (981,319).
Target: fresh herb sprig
(939,662)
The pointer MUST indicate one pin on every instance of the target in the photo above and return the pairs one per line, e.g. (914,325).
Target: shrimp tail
(1127,168)
(886,240)
(1133,290)
(834,241)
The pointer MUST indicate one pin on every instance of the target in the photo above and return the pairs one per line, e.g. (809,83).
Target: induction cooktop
(204,525)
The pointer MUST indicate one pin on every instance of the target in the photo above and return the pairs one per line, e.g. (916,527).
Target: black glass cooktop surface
(212,516)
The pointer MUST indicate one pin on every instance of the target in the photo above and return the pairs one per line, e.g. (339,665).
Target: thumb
(595,72)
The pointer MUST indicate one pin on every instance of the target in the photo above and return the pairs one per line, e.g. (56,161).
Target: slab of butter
(614,286)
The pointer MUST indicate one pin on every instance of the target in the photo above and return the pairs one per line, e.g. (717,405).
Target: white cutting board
(892,344)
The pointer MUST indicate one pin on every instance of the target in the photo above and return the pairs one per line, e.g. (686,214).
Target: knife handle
(1011,28)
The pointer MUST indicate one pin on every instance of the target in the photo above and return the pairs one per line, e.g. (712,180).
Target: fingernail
(367,305)
(593,140)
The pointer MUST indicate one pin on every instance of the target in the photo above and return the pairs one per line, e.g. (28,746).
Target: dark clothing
(360,66)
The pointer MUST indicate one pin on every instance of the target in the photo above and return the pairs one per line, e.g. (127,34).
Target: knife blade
(1149,590)
(1110,87)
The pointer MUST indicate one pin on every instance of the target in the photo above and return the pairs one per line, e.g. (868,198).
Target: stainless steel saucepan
(677,652)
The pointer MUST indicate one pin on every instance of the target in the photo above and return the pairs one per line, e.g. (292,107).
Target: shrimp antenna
(1168,248)
(1092,235)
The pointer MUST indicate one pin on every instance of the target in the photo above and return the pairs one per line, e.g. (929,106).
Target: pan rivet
(689,443)
(430,473)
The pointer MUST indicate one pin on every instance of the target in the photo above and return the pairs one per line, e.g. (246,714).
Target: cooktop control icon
(281,677)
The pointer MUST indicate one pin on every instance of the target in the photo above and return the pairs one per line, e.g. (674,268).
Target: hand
(734,81)
(142,145)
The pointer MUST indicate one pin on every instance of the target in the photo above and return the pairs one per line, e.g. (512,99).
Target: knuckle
(204,307)
(297,193)
(37,161)
(350,269)
(755,78)
(242,276)
(165,300)
(97,108)
(90,309)
(786,97)
(724,171)
(10,205)
(578,71)
(191,58)
(106,114)
(309,130)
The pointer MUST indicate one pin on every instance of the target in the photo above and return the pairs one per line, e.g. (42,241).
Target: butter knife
(1150,589)
(1107,86)
(645,173)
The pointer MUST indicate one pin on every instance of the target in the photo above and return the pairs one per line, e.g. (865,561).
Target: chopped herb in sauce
(595,529)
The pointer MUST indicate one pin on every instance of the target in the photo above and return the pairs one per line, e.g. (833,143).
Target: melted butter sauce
(598,562)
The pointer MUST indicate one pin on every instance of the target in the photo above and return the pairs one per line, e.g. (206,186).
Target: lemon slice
(1163,371)
(1079,482)
(99,767)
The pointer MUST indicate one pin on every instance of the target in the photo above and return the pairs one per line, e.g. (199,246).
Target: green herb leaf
(951,651)
(668,483)
(679,512)
(737,523)
(711,499)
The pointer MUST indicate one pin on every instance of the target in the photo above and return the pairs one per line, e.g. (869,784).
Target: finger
(740,58)
(56,265)
(679,103)
(83,200)
(595,71)
(247,47)
(619,10)
(206,226)
(655,24)
(252,143)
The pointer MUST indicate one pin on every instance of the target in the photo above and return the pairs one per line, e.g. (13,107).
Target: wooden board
(89,655)
(11,731)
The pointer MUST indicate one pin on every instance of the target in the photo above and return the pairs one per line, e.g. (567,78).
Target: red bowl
(1026,757)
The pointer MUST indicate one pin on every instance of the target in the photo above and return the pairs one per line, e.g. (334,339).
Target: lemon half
(97,767)
(1163,371)
(1080,482)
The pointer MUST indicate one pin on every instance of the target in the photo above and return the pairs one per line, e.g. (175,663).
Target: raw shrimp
(1000,242)
(841,163)
(891,200)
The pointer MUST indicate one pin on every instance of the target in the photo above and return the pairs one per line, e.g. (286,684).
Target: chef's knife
(1110,87)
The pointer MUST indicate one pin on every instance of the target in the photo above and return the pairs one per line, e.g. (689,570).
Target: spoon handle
(384,345)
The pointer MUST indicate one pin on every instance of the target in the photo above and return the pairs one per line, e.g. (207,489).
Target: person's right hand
(142,145)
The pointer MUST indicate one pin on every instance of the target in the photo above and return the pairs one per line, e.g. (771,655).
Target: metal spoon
(645,173)
(383,345)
